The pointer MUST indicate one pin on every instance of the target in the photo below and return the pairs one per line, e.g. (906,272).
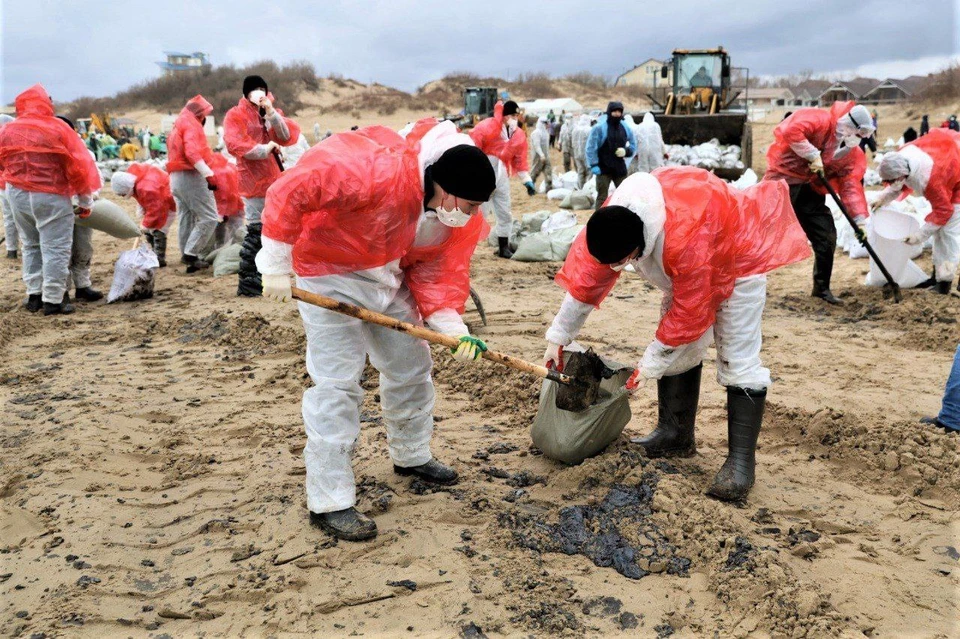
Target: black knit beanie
(613,233)
(252,82)
(510,108)
(465,172)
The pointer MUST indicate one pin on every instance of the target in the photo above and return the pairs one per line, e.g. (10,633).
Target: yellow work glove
(816,165)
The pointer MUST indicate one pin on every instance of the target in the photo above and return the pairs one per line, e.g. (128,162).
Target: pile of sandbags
(871,178)
(546,238)
(709,155)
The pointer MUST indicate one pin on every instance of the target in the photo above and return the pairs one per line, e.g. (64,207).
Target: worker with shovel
(813,144)
(156,208)
(254,132)
(930,167)
(388,224)
(708,247)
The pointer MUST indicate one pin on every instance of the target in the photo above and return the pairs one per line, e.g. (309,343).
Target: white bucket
(887,234)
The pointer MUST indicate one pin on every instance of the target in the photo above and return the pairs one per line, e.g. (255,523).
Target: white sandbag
(559,194)
(569,180)
(542,188)
(888,230)
(531,222)
(559,221)
(133,275)
(578,201)
(871,178)
(546,247)
(111,219)
(748,179)
(227,261)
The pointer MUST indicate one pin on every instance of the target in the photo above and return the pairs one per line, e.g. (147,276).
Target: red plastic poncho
(152,193)
(187,143)
(350,204)
(819,128)
(713,235)
(227,178)
(41,153)
(513,152)
(243,129)
(943,184)
(439,276)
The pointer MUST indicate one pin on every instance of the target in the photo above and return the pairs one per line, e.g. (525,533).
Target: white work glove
(915,239)
(876,205)
(268,109)
(272,147)
(277,287)
(470,349)
(553,357)
(922,235)
(621,152)
(816,165)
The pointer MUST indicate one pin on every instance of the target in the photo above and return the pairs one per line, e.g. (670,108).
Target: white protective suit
(337,348)
(500,200)
(738,320)
(196,209)
(650,147)
(579,141)
(45,223)
(917,165)
(540,153)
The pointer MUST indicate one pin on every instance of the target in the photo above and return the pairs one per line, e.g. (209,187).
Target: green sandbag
(227,261)
(546,247)
(571,437)
(111,219)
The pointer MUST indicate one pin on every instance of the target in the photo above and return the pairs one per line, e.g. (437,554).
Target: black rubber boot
(943,287)
(678,397)
(504,250)
(249,283)
(88,294)
(194,263)
(744,416)
(348,524)
(824,293)
(63,308)
(930,282)
(12,255)
(160,247)
(433,472)
(148,236)
(33,303)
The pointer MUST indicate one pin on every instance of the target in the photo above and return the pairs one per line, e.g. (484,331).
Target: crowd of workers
(389,221)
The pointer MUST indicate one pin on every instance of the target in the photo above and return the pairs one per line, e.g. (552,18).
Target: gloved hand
(470,349)
(272,147)
(595,170)
(531,189)
(277,287)
(221,219)
(816,165)
(620,152)
(211,182)
(876,205)
(268,109)
(637,379)
(915,239)
(81,212)
(553,357)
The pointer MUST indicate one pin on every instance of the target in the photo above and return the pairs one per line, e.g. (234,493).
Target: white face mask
(454,218)
(511,124)
(618,267)
(256,95)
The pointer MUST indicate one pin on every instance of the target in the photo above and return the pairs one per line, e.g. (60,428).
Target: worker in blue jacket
(609,148)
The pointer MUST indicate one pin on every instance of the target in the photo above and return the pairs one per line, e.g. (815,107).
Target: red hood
(199,107)
(34,101)
(840,109)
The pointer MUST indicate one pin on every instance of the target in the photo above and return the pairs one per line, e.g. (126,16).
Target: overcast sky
(98,48)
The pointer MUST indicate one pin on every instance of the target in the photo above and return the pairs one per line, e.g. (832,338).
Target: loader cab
(478,103)
(701,79)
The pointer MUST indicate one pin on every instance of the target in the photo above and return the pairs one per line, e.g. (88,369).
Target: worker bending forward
(387,223)
(708,247)
(930,167)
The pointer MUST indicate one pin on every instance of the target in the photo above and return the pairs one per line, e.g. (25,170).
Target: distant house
(768,97)
(184,62)
(893,90)
(807,93)
(645,74)
(847,90)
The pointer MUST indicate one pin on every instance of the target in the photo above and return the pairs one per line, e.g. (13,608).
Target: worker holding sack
(156,208)
(192,181)
(254,132)
(708,247)
(930,167)
(812,144)
(45,163)
(389,224)
(230,205)
(505,144)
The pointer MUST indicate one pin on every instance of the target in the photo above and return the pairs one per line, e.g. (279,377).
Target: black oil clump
(587,370)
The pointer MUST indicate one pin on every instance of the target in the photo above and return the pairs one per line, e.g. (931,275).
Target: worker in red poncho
(44,164)
(156,208)
(10,234)
(192,181)
(930,167)
(708,247)
(254,132)
(505,144)
(229,203)
(814,143)
(390,224)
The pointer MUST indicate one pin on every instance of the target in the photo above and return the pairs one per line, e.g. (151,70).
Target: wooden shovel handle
(423,333)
